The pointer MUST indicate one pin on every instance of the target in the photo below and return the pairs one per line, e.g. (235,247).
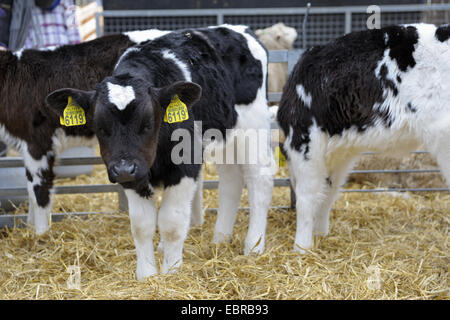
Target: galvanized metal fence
(324,23)
(218,16)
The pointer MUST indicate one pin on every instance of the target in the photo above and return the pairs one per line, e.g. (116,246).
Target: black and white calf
(220,74)
(26,78)
(384,90)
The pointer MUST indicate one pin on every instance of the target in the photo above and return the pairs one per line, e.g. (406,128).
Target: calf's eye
(146,128)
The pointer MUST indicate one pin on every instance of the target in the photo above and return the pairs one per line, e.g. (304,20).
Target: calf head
(126,115)
(277,37)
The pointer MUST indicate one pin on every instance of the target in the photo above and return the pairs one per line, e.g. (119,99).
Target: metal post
(348,21)
(220,18)
(305,19)
(98,26)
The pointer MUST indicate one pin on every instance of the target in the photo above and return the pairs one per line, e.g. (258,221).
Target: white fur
(132,49)
(184,68)
(12,141)
(174,220)
(231,183)
(18,53)
(143,224)
(304,96)
(38,216)
(145,35)
(259,176)
(425,86)
(197,210)
(120,96)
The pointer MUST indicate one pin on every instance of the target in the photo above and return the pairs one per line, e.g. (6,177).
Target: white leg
(31,207)
(173,221)
(291,176)
(39,186)
(310,180)
(143,225)
(230,191)
(197,205)
(443,159)
(260,187)
(435,137)
(337,177)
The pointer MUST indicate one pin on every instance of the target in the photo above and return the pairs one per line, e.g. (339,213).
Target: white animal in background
(277,37)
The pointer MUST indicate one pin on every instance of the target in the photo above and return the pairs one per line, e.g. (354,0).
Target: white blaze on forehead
(167,54)
(304,96)
(120,96)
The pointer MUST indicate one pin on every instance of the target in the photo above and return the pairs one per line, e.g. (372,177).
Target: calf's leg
(40,183)
(259,181)
(310,176)
(143,225)
(197,205)
(443,155)
(337,176)
(230,191)
(173,221)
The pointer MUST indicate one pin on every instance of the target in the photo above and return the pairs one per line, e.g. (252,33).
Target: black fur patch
(443,33)
(411,108)
(218,60)
(387,83)
(42,191)
(340,77)
(402,41)
(29,176)
(42,194)
(25,82)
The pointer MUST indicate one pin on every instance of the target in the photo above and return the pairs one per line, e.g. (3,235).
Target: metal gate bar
(326,23)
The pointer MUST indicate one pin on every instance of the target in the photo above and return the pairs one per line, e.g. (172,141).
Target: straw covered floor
(380,246)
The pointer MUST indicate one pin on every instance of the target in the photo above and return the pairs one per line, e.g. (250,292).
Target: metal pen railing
(291,57)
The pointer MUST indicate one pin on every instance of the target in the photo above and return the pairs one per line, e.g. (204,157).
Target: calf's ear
(188,92)
(58,100)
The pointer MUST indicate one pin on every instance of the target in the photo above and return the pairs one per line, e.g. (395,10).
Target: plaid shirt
(57,27)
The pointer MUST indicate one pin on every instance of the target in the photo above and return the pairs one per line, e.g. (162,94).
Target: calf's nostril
(115,170)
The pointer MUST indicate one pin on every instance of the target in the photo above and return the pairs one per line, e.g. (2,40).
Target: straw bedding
(396,180)
(380,246)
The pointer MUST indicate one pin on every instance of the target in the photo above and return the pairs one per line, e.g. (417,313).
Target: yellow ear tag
(176,111)
(279,157)
(73,115)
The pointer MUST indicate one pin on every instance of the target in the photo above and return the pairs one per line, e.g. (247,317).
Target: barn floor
(380,246)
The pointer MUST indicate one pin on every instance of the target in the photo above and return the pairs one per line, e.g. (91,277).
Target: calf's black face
(126,115)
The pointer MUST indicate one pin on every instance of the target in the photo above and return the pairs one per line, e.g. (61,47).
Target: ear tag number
(279,157)
(176,111)
(73,115)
